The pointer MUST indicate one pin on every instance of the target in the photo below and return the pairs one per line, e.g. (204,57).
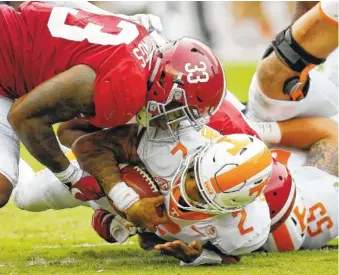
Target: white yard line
(84,245)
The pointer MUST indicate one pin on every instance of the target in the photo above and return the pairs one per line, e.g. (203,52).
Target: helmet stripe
(242,172)
(282,238)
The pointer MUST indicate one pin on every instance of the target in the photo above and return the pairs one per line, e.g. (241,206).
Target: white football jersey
(233,233)
(319,191)
(321,101)
(162,159)
(314,226)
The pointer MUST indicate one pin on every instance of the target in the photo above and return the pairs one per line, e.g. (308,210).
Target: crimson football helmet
(291,234)
(280,194)
(187,84)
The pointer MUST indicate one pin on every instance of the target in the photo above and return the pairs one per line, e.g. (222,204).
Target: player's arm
(301,7)
(100,153)
(316,33)
(68,132)
(58,99)
(319,135)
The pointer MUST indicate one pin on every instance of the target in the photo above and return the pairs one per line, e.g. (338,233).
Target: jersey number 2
(243,216)
(92,32)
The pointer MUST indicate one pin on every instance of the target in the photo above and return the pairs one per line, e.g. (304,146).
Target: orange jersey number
(181,148)
(243,217)
(318,208)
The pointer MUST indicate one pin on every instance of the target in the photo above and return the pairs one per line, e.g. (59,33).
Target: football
(139,179)
(142,183)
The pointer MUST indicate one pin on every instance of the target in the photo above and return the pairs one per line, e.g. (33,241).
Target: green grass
(63,242)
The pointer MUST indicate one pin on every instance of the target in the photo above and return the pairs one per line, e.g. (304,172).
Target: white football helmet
(230,172)
(290,235)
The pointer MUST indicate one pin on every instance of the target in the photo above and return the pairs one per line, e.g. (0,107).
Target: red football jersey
(39,41)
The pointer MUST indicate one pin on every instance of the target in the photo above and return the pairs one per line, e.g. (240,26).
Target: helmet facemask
(178,117)
(178,185)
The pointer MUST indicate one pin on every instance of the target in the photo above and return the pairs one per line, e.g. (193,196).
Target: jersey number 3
(92,32)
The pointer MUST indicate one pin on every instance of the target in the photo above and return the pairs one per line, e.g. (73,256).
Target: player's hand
(180,250)
(148,21)
(144,213)
(86,188)
(101,223)
(111,228)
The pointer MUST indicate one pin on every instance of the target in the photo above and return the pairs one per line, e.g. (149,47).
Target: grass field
(63,242)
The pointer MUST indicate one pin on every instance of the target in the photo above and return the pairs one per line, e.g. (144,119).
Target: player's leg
(25,171)
(10,151)
(321,101)
(316,33)
(42,192)
(269,95)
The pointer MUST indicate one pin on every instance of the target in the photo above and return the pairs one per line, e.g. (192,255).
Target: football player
(130,144)
(44,191)
(100,67)
(212,199)
(313,220)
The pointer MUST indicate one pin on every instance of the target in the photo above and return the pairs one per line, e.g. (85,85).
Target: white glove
(120,231)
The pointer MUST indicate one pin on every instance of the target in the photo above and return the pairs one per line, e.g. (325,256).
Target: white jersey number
(196,74)
(91,32)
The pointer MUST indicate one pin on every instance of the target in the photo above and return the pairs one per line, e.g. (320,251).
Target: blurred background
(237,31)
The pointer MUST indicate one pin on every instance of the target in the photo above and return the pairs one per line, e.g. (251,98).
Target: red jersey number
(92,32)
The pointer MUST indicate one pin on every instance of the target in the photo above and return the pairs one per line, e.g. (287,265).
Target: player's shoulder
(35,6)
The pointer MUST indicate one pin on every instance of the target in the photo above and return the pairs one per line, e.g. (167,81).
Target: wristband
(268,131)
(72,174)
(206,257)
(123,196)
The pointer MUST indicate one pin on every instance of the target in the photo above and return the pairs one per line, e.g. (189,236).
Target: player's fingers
(129,224)
(155,22)
(157,201)
(144,21)
(150,226)
(159,246)
(162,220)
(196,245)
(168,250)
(177,246)
(179,243)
